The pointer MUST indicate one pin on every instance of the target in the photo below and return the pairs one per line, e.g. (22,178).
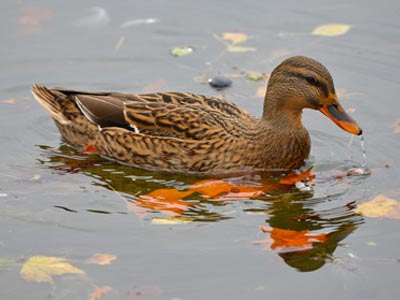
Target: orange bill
(336,113)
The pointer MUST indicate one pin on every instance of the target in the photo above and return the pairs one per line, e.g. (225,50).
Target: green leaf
(182,51)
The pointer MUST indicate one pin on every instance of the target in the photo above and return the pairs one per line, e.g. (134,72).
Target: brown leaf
(99,291)
(101,259)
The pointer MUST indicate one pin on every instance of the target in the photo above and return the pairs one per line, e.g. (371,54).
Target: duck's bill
(341,118)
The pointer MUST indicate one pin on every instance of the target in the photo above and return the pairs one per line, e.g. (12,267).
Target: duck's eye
(311,80)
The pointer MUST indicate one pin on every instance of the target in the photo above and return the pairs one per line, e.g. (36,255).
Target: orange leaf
(292,178)
(101,259)
(99,291)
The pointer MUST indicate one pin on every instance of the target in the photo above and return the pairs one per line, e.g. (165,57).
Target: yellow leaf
(234,48)
(380,207)
(331,29)
(235,38)
(101,259)
(171,221)
(42,268)
(99,291)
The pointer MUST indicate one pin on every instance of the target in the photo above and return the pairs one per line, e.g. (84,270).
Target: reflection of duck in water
(182,132)
(306,239)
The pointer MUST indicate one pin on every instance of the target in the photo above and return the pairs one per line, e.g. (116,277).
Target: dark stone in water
(220,82)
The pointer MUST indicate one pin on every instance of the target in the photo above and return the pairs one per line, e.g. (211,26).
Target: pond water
(283,243)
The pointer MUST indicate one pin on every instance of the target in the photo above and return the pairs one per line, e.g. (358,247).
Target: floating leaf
(42,268)
(380,207)
(6,263)
(171,221)
(101,259)
(239,49)
(255,76)
(36,177)
(234,38)
(331,29)
(181,51)
(99,292)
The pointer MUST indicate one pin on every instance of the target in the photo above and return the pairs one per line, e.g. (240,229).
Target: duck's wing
(223,107)
(182,115)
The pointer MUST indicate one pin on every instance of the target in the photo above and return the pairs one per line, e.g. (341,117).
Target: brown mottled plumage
(183,132)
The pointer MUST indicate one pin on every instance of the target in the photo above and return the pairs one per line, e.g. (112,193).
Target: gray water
(56,202)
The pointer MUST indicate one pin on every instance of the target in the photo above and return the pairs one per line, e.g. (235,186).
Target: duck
(189,133)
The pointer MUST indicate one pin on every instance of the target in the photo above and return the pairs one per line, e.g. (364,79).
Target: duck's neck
(282,114)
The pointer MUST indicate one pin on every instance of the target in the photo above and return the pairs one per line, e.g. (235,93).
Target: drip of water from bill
(362,170)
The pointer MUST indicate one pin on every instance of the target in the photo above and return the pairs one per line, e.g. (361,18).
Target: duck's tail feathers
(50,102)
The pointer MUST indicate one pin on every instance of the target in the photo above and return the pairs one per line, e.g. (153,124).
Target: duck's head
(300,82)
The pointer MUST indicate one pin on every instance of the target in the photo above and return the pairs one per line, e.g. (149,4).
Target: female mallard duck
(183,132)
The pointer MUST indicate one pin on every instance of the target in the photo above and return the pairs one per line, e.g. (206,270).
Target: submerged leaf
(234,38)
(99,291)
(380,207)
(181,51)
(42,268)
(239,49)
(331,29)
(101,259)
